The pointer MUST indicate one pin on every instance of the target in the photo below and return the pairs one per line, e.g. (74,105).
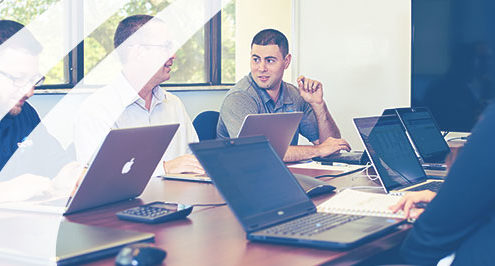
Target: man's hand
(332,145)
(408,201)
(183,164)
(311,90)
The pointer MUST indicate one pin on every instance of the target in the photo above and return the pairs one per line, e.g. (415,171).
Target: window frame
(74,62)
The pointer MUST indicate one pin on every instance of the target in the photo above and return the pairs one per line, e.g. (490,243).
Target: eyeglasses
(37,80)
(166,46)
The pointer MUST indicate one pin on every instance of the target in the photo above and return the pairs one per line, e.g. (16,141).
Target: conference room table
(213,236)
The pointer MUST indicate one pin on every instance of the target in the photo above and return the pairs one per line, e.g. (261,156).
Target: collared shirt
(119,106)
(247,98)
(15,129)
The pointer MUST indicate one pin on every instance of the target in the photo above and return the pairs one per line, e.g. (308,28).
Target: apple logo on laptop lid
(127,166)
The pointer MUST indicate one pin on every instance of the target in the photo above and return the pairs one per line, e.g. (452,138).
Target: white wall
(253,16)
(360,50)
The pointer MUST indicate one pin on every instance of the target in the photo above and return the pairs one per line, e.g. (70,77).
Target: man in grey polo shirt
(263,91)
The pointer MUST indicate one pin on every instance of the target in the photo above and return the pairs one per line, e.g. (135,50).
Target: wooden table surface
(213,236)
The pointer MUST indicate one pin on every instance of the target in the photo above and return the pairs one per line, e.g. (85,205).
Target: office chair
(205,125)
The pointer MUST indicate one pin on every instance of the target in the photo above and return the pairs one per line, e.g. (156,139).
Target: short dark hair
(9,27)
(271,36)
(129,26)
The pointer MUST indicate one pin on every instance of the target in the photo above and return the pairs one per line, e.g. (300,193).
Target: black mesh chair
(205,125)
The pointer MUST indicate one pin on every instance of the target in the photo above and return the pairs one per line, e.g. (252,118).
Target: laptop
(392,156)
(93,242)
(120,170)
(278,128)
(425,135)
(271,205)
(45,239)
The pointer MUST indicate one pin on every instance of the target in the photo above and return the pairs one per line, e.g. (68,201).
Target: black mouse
(140,255)
(312,186)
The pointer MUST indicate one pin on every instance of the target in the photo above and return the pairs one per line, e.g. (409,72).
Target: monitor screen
(389,150)
(452,69)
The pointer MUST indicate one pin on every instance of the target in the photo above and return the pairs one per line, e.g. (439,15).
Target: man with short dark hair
(263,91)
(135,97)
(18,76)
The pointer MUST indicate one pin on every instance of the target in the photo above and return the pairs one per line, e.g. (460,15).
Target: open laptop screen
(390,151)
(424,133)
(252,179)
(279,128)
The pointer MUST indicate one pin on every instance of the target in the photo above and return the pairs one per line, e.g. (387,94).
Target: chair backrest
(205,125)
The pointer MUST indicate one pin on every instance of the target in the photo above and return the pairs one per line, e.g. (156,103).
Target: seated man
(136,99)
(263,91)
(32,161)
(459,222)
(21,119)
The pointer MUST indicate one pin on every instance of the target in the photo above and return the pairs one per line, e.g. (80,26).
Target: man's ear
(287,59)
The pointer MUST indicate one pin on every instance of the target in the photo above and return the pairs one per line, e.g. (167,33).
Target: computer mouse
(320,189)
(312,186)
(140,255)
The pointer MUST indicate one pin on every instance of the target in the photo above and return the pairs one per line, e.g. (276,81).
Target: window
(198,61)
(228,43)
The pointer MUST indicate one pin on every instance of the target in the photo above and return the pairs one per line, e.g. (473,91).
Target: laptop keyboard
(312,224)
(433,186)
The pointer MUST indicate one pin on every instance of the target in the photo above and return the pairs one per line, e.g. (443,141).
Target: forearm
(302,152)
(326,125)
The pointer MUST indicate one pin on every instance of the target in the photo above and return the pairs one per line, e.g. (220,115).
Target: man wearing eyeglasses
(32,161)
(18,77)
(135,98)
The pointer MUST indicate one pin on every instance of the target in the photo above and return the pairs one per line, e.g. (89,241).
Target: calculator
(155,212)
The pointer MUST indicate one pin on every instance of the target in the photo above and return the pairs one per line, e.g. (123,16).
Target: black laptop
(269,202)
(392,155)
(425,135)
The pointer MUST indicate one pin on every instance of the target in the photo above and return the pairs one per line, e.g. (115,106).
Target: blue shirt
(14,130)
(247,98)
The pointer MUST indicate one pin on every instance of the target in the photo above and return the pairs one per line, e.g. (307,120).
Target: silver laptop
(120,170)
(392,156)
(278,128)
(271,205)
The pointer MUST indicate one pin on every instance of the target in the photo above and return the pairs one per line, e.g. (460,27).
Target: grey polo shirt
(247,98)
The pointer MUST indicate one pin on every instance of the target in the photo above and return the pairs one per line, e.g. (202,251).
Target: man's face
(268,65)
(18,74)
(163,73)
(152,53)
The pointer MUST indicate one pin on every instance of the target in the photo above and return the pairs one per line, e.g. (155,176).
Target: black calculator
(155,212)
